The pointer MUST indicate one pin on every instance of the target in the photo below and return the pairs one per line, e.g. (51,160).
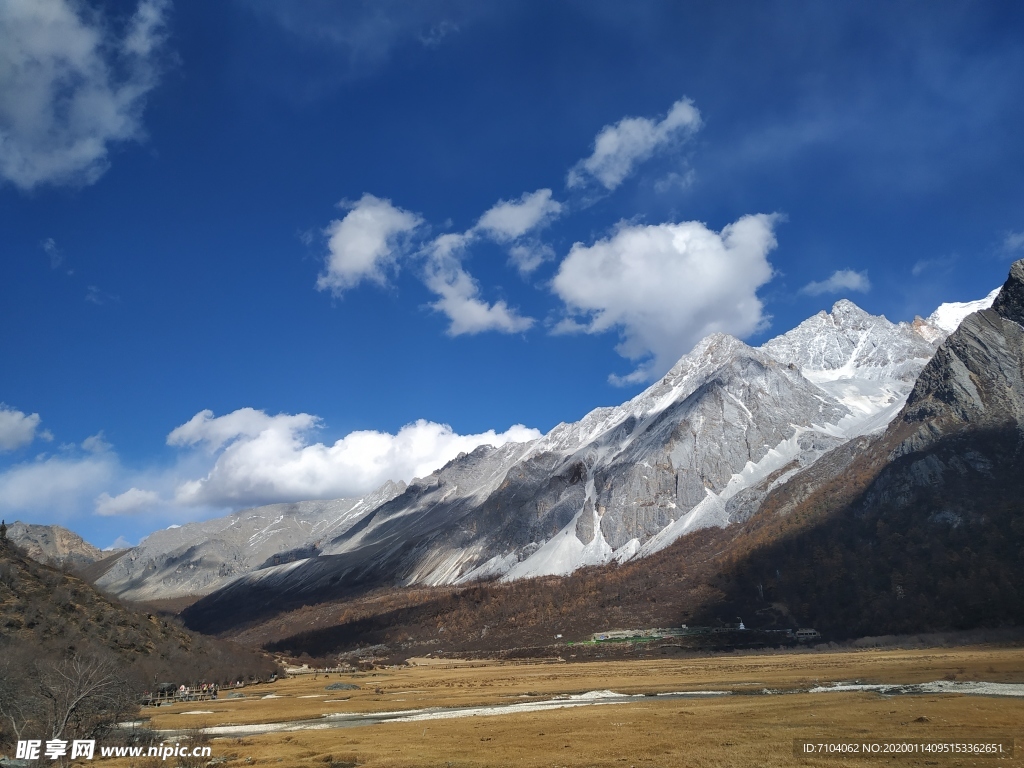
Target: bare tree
(13,706)
(21,708)
(83,694)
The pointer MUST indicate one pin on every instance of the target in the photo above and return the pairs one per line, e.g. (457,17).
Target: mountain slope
(197,558)
(701,447)
(45,604)
(923,528)
(53,545)
(54,625)
(867,363)
(919,527)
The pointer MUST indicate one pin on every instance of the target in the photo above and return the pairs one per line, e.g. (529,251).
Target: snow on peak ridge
(845,311)
(947,317)
(692,370)
(709,354)
(861,364)
(847,341)
(622,482)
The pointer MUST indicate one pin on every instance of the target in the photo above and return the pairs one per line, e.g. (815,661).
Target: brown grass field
(737,730)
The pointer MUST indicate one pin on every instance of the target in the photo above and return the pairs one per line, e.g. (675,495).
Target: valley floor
(747,727)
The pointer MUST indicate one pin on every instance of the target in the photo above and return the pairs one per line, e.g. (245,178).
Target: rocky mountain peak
(52,544)
(927,331)
(698,448)
(849,342)
(1010,301)
(709,351)
(976,378)
(846,314)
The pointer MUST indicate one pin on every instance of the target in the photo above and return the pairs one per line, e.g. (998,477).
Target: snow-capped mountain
(949,316)
(701,447)
(920,527)
(865,362)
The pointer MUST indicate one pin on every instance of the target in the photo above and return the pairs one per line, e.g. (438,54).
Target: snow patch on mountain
(863,361)
(682,380)
(694,450)
(710,513)
(948,316)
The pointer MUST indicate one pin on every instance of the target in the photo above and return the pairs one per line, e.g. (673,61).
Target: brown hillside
(46,605)
(46,608)
(663,590)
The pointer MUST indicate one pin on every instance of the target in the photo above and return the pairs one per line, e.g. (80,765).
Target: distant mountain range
(854,475)
(701,447)
(913,525)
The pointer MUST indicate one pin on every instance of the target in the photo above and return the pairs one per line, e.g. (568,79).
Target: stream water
(589,699)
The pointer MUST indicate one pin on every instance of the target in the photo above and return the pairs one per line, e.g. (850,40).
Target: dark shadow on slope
(935,543)
(930,542)
(659,591)
(247,601)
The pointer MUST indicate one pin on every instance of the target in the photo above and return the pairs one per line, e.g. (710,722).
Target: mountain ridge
(53,545)
(915,528)
(624,482)
(921,527)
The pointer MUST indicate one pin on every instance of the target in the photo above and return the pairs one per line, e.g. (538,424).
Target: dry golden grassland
(735,730)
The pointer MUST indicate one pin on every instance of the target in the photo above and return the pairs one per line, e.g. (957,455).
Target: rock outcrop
(53,545)
(921,527)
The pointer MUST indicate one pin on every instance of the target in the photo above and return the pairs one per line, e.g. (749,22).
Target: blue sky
(256,251)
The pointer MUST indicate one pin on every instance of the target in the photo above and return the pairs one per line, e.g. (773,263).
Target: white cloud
(619,148)
(216,432)
(146,31)
(56,484)
(355,38)
(242,458)
(365,244)
(96,443)
(79,481)
(459,294)
(666,286)
(675,180)
(130,502)
(263,458)
(69,88)
(1014,241)
(509,220)
(841,280)
(51,249)
(526,257)
(17,428)
(119,543)
(374,235)
(94,295)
